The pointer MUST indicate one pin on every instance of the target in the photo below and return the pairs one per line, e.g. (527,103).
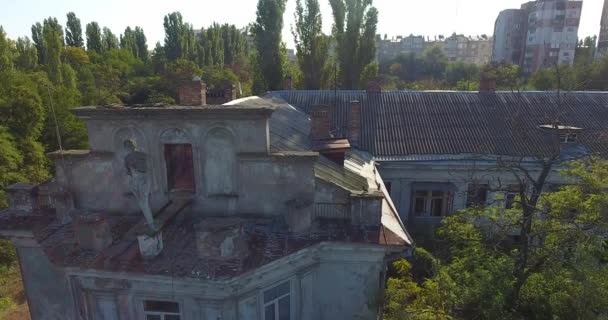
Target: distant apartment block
(602,45)
(475,50)
(539,35)
(388,49)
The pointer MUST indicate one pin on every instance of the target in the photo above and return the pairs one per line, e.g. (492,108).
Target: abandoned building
(246,210)
(442,151)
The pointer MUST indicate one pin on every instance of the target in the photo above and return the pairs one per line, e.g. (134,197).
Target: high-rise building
(602,45)
(509,35)
(542,33)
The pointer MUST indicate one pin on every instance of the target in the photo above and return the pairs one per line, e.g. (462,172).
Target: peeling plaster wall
(461,173)
(261,184)
(331,281)
(46,286)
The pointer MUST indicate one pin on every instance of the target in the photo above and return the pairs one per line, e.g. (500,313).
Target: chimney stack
(487,82)
(92,231)
(288,84)
(320,123)
(373,87)
(354,123)
(193,93)
(229,93)
(22,197)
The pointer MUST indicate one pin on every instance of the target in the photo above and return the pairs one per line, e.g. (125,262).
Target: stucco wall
(328,281)
(46,286)
(403,174)
(255,182)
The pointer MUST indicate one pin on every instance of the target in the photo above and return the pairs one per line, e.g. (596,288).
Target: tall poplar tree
(93,33)
(38,40)
(53,46)
(267,35)
(109,40)
(174,34)
(311,43)
(73,31)
(355,23)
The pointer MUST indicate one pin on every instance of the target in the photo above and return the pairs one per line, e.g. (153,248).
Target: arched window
(220,164)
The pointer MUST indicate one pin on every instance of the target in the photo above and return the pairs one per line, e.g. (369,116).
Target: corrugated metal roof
(397,123)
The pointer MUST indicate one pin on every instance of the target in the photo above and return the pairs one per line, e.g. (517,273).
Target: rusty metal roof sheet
(398,123)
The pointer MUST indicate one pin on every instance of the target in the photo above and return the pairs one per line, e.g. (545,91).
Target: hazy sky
(397,17)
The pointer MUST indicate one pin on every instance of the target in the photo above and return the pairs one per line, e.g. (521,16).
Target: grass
(13,304)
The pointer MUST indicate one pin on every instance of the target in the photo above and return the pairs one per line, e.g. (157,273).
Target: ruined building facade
(259,213)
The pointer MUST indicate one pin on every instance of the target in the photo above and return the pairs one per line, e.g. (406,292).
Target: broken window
(432,200)
(477,195)
(511,194)
(277,302)
(161,310)
(180,167)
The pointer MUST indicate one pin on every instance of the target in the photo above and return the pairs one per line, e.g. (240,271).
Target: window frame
(291,294)
(473,195)
(162,314)
(428,199)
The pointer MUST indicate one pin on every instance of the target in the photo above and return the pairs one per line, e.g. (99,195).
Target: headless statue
(136,164)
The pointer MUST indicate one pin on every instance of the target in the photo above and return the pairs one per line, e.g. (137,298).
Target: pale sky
(397,17)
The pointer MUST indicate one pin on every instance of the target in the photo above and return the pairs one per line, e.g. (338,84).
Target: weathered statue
(136,163)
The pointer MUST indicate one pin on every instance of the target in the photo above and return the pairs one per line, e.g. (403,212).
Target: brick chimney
(373,87)
(354,123)
(288,84)
(229,93)
(22,197)
(192,93)
(92,231)
(487,82)
(320,123)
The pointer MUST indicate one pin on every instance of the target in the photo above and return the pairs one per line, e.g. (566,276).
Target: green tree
(479,273)
(73,31)
(354,29)
(267,36)
(435,62)
(53,46)
(93,33)
(311,43)
(38,40)
(109,40)
(27,55)
(134,40)
(174,36)
(463,73)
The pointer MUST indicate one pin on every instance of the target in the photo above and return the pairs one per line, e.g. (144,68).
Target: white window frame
(162,314)
(290,294)
(428,203)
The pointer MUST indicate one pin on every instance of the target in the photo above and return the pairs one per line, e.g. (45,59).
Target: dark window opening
(477,195)
(180,167)
(161,310)
(388,186)
(431,203)
(513,191)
